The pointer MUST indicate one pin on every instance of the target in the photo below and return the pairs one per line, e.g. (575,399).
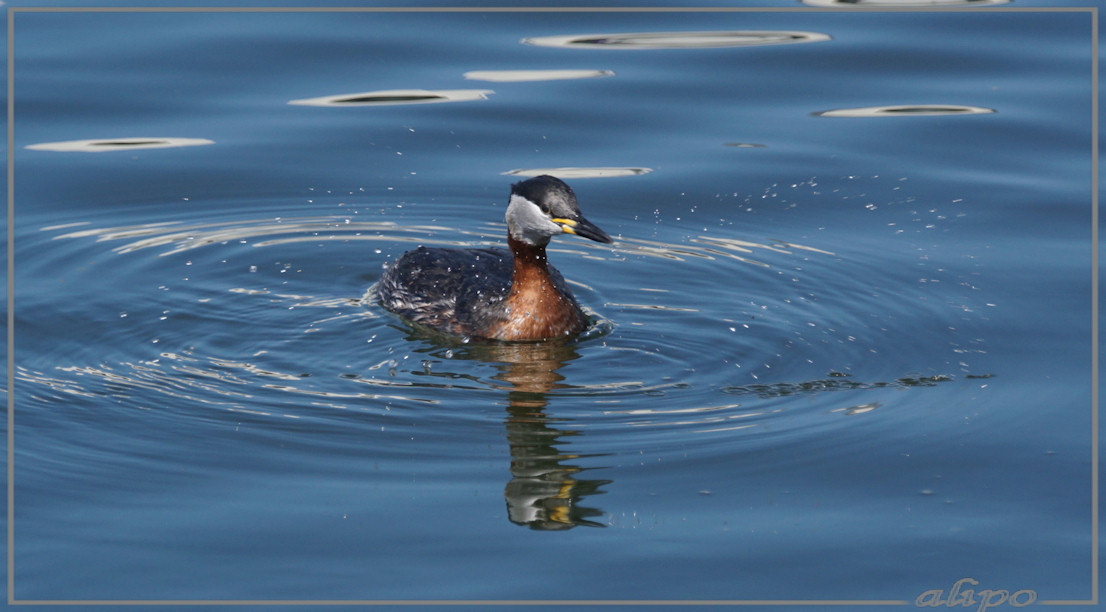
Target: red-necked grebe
(495,293)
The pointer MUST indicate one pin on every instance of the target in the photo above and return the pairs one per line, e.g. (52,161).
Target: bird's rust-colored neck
(530,263)
(536,309)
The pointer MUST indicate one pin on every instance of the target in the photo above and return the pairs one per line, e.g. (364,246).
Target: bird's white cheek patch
(528,223)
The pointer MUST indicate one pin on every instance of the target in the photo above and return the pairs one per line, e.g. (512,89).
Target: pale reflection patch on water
(521,76)
(679,40)
(118,144)
(396,96)
(574,172)
(862,4)
(907,110)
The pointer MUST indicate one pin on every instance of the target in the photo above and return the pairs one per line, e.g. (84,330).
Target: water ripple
(184,237)
(243,334)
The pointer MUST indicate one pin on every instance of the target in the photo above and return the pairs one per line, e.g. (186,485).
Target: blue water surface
(833,358)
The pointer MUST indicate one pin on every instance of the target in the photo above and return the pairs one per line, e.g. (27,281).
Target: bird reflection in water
(545,491)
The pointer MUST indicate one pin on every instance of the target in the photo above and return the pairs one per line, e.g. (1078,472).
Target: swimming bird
(497,294)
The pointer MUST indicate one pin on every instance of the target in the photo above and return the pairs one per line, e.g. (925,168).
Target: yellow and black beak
(582,227)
